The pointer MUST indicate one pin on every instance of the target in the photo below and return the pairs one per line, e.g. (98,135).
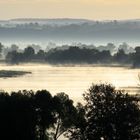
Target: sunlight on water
(73,80)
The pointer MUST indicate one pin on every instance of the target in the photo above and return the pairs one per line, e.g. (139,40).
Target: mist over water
(73,80)
(68,55)
(66,31)
(76,34)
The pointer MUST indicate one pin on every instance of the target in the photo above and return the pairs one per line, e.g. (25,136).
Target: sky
(87,9)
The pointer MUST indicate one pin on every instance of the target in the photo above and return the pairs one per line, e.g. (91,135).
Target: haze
(91,9)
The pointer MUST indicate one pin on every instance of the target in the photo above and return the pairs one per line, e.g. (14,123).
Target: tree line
(75,55)
(105,114)
(117,31)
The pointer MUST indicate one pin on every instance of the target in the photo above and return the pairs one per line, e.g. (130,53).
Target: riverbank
(12,73)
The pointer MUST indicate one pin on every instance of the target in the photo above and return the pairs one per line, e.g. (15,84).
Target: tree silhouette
(77,131)
(107,114)
(29,53)
(65,114)
(136,57)
(76,55)
(111,114)
(17,119)
(44,109)
(1,48)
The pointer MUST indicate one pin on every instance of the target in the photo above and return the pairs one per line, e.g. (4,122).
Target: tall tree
(111,114)
(65,114)
(44,109)
(29,53)
(1,48)
(77,131)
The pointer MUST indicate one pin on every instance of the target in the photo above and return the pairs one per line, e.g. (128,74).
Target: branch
(61,134)
(57,128)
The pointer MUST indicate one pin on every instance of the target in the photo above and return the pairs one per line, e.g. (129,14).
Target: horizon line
(67,18)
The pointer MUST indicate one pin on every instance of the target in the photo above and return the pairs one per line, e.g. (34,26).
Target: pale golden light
(92,9)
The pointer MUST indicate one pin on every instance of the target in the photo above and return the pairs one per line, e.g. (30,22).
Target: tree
(65,114)
(17,119)
(14,57)
(22,115)
(44,110)
(136,57)
(41,55)
(1,48)
(77,131)
(111,114)
(121,57)
(29,53)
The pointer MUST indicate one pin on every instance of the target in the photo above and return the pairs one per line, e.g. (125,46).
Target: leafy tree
(29,52)
(136,57)
(1,48)
(17,119)
(111,114)
(122,57)
(65,114)
(14,57)
(77,131)
(44,110)
(23,117)
(41,55)
(4,111)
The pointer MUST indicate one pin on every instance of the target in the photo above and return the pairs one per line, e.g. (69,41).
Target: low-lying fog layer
(73,80)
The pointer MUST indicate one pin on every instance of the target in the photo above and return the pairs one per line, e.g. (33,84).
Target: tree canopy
(107,114)
(111,114)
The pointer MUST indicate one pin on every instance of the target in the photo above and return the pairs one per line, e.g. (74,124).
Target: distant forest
(105,114)
(68,30)
(67,54)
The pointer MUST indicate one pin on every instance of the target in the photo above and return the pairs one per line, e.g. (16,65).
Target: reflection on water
(71,80)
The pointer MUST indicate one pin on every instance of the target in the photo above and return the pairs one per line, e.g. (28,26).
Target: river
(73,80)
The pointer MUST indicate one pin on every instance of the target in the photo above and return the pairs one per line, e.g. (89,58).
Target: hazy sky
(91,9)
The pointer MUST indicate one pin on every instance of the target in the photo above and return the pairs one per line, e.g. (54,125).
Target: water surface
(73,80)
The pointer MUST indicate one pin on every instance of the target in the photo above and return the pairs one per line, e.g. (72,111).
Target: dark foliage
(76,55)
(27,115)
(65,114)
(111,114)
(108,114)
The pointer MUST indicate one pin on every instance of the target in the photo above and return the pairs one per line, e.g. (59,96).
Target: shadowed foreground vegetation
(107,114)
